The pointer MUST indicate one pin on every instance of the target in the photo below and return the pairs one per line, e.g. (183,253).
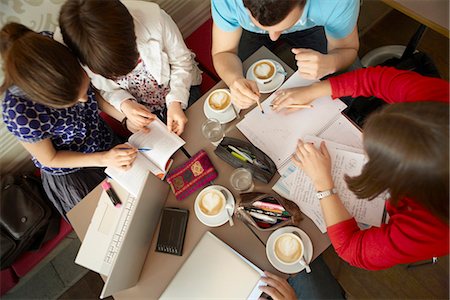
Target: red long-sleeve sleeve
(390,84)
(413,233)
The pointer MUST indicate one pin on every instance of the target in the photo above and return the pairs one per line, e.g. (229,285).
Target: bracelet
(326,193)
(124,123)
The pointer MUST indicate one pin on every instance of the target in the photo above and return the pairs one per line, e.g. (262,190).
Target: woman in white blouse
(135,55)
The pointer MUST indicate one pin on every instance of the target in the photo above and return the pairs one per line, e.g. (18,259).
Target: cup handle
(280,69)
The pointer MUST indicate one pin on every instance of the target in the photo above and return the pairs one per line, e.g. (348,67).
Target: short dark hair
(47,71)
(407,145)
(271,12)
(101,33)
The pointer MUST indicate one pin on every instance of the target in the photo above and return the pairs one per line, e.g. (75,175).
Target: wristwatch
(326,193)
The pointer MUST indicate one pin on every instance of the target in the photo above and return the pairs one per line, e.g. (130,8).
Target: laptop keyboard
(118,236)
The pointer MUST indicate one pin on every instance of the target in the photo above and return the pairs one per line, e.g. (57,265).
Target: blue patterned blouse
(78,128)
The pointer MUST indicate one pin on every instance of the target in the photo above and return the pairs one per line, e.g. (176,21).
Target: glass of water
(241,180)
(213,131)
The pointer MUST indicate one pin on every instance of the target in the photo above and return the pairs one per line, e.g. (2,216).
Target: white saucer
(289,269)
(219,219)
(223,117)
(276,82)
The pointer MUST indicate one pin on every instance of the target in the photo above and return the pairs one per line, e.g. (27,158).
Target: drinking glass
(213,131)
(241,180)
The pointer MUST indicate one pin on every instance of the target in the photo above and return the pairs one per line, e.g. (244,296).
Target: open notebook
(215,271)
(163,145)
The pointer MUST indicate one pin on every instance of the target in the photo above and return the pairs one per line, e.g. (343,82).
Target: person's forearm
(333,209)
(72,159)
(108,108)
(340,59)
(319,89)
(228,66)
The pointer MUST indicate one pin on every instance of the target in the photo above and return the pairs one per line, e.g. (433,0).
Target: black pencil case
(259,164)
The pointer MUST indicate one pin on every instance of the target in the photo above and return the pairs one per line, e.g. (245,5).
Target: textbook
(159,145)
(214,270)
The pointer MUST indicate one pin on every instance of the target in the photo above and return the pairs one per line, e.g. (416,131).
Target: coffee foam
(264,70)
(212,202)
(219,100)
(288,249)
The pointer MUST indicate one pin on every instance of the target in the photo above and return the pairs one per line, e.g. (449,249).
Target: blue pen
(144,149)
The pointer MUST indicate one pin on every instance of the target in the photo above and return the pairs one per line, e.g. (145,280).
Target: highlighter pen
(261,204)
(112,195)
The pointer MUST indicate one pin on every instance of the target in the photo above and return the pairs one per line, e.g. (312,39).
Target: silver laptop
(214,270)
(117,241)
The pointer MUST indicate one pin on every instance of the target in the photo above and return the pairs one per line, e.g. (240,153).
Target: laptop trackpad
(109,219)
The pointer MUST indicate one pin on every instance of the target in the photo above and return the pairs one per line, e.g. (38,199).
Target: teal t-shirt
(338,17)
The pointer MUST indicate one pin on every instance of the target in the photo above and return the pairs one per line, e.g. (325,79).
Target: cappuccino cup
(219,100)
(211,202)
(288,248)
(264,71)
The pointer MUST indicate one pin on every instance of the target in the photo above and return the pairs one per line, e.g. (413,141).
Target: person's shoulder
(330,8)
(142,9)
(225,13)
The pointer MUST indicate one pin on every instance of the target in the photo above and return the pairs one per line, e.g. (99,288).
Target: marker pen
(265,218)
(272,206)
(112,195)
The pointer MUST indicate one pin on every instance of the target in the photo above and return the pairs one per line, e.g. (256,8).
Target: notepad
(276,134)
(214,270)
(163,145)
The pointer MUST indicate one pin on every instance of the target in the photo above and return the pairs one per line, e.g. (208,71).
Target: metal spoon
(228,207)
(302,260)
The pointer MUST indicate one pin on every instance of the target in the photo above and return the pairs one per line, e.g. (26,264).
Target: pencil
(294,106)
(259,105)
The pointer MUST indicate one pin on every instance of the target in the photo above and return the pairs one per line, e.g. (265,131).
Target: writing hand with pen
(244,93)
(120,157)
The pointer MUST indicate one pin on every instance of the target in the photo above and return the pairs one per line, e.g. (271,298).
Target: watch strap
(323,194)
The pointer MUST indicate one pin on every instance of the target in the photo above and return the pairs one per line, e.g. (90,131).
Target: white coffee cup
(288,248)
(264,71)
(210,203)
(219,100)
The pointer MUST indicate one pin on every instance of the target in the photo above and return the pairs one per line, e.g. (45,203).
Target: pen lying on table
(293,106)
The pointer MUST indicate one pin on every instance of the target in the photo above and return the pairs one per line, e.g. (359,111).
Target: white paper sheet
(343,162)
(277,134)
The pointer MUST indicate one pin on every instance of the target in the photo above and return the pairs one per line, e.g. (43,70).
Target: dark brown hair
(407,145)
(101,34)
(272,12)
(44,69)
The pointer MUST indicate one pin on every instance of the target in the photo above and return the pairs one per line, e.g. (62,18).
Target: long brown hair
(407,145)
(44,69)
(101,34)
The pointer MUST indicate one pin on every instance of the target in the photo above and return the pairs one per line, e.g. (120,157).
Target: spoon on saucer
(302,260)
(228,207)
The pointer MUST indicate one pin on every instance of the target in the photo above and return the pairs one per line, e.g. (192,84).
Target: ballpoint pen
(143,149)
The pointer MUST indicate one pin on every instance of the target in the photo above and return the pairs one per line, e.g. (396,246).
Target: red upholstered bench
(9,277)
(200,42)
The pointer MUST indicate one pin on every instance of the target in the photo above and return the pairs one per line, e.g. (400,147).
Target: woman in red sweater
(407,145)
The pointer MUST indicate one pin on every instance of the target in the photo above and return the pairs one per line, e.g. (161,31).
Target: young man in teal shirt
(322,33)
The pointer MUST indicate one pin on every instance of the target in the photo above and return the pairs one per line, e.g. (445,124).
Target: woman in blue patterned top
(52,109)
